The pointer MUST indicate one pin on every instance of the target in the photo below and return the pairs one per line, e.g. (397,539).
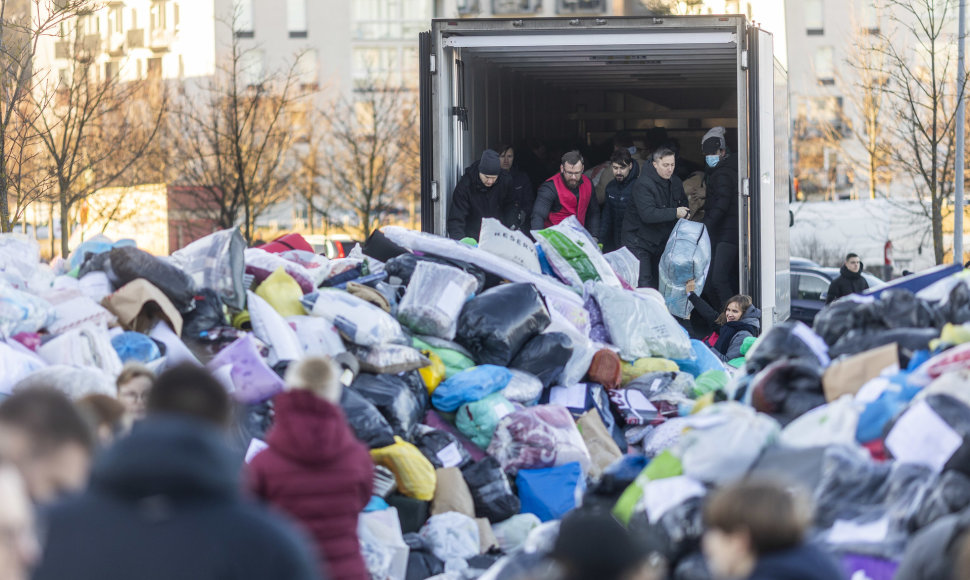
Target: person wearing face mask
(721,214)
(567,193)
(657,202)
(479,194)
(625,171)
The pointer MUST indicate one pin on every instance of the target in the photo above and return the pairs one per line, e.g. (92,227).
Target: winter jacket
(848,282)
(931,552)
(721,205)
(617,199)
(316,471)
(805,562)
(547,203)
(730,335)
(517,209)
(471,202)
(652,214)
(165,503)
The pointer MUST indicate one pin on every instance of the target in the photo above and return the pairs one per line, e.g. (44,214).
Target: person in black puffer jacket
(721,215)
(480,194)
(850,280)
(626,170)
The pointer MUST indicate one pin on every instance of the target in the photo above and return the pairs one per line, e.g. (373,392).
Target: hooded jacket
(471,202)
(614,208)
(848,282)
(805,562)
(165,503)
(316,471)
(652,213)
(721,204)
(730,335)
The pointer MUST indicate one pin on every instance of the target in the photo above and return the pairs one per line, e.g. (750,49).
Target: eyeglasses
(572,173)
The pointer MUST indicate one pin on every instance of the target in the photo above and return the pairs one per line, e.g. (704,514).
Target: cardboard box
(847,376)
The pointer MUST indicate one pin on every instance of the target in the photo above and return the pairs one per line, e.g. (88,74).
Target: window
(516,6)
(814,17)
(243,18)
(134,18)
(296,18)
(812,287)
(306,68)
(110,70)
(251,68)
(155,68)
(573,6)
(157,16)
(175,15)
(825,65)
(116,19)
(870,18)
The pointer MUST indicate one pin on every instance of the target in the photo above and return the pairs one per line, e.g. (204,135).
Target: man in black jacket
(721,215)
(658,201)
(165,502)
(850,280)
(625,170)
(481,193)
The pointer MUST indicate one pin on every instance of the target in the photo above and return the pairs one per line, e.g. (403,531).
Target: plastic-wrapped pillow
(252,380)
(216,261)
(88,346)
(75,382)
(524,388)
(434,299)
(73,309)
(625,264)
(269,327)
(318,336)
(361,322)
(17,362)
(261,264)
(640,326)
(22,312)
(687,256)
(471,385)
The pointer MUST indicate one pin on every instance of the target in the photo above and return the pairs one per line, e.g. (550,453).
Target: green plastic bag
(454,361)
(478,420)
(661,467)
(709,382)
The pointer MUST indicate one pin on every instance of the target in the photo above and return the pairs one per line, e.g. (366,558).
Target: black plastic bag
(902,309)
(129,263)
(678,531)
(955,309)
(97,263)
(403,267)
(393,398)
(788,389)
(545,356)
(411,513)
(950,495)
(788,340)
(423,564)
(835,320)
(370,427)
(206,315)
(909,340)
(380,248)
(417,387)
(441,448)
(491,491)
(495,325)
(249,422)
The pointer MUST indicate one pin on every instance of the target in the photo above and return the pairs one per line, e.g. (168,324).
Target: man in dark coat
(480,193)
(658,201)
(625,171)
(165,502)
(567,193)
(721,215)
(850,280)
(517,208)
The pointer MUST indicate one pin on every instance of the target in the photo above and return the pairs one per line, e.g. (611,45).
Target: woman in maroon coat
(315,470)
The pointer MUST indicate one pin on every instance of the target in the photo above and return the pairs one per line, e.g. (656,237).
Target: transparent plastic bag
(360,321)
(625,264)
(524,388)
(724,442)
(17,362)
(261,264)
(75,382)
(434,299)
(22,312)
(687,256)
(477,420)
(389,358)
(216,261)
(318,336)
(540,436)
(640,326)
(451,536)
(573,254)
(19,260)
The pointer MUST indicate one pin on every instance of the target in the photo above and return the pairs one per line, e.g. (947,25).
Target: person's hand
(682,213)
(690,286)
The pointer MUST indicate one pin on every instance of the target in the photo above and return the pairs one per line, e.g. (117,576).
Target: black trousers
(723,275)
(649,266)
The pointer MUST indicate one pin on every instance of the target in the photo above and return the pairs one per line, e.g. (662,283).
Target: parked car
(810,287)
(333,247)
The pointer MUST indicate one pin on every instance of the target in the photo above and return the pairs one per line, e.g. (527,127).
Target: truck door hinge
(461,113)
(744,60)
(746,188)
(433,64)
(434,191)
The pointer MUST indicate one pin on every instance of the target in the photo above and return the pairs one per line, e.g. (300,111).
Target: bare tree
(23,24)
(235,137)
(93,130)
(370,154)
(918,62)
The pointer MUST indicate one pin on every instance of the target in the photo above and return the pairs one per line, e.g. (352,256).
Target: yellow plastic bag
(283,293)
(642,366)
(952,334)
(415,475)
(434,373)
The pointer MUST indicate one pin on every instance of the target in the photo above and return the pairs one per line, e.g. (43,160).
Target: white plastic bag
(17,362)
(88,346)
(640,326)
(625,264)
(382,544)
(216,261)
(686,257)
(434,299)
(724,441)
(525,388)
(22,311)
(512,533)
(451,536)
(573,254)
(512,245)
(19,260)
(360,321)
(72,309)
(75,382)
(271,328)
(318,336)
(831,424)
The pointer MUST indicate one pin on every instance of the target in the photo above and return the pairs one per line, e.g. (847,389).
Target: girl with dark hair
(739,320)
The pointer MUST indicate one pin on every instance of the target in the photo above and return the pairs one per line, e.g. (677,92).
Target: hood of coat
(308,429)
(847,273)
(752,317)
(632,177)
(170,456)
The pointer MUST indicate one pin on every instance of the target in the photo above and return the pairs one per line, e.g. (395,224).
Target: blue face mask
(632,150)
(712,160)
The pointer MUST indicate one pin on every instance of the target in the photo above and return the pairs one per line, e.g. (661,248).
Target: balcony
(162,39)
(136,38)
(62,49)
(115,44)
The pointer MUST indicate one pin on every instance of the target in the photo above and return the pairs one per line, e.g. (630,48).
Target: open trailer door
(764,258)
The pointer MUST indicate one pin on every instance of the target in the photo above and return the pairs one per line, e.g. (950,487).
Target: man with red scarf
(567,193)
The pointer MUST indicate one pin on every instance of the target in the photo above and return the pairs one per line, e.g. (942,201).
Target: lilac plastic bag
(252,379)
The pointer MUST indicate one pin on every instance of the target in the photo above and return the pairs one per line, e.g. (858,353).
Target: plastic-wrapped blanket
(540,436)
(128,264)
(509,244)
(360,321)
(573,254)
(434,299)
(261,264)
(625,264)
(640,326)
(686,257)
(22,312)
(216,261)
